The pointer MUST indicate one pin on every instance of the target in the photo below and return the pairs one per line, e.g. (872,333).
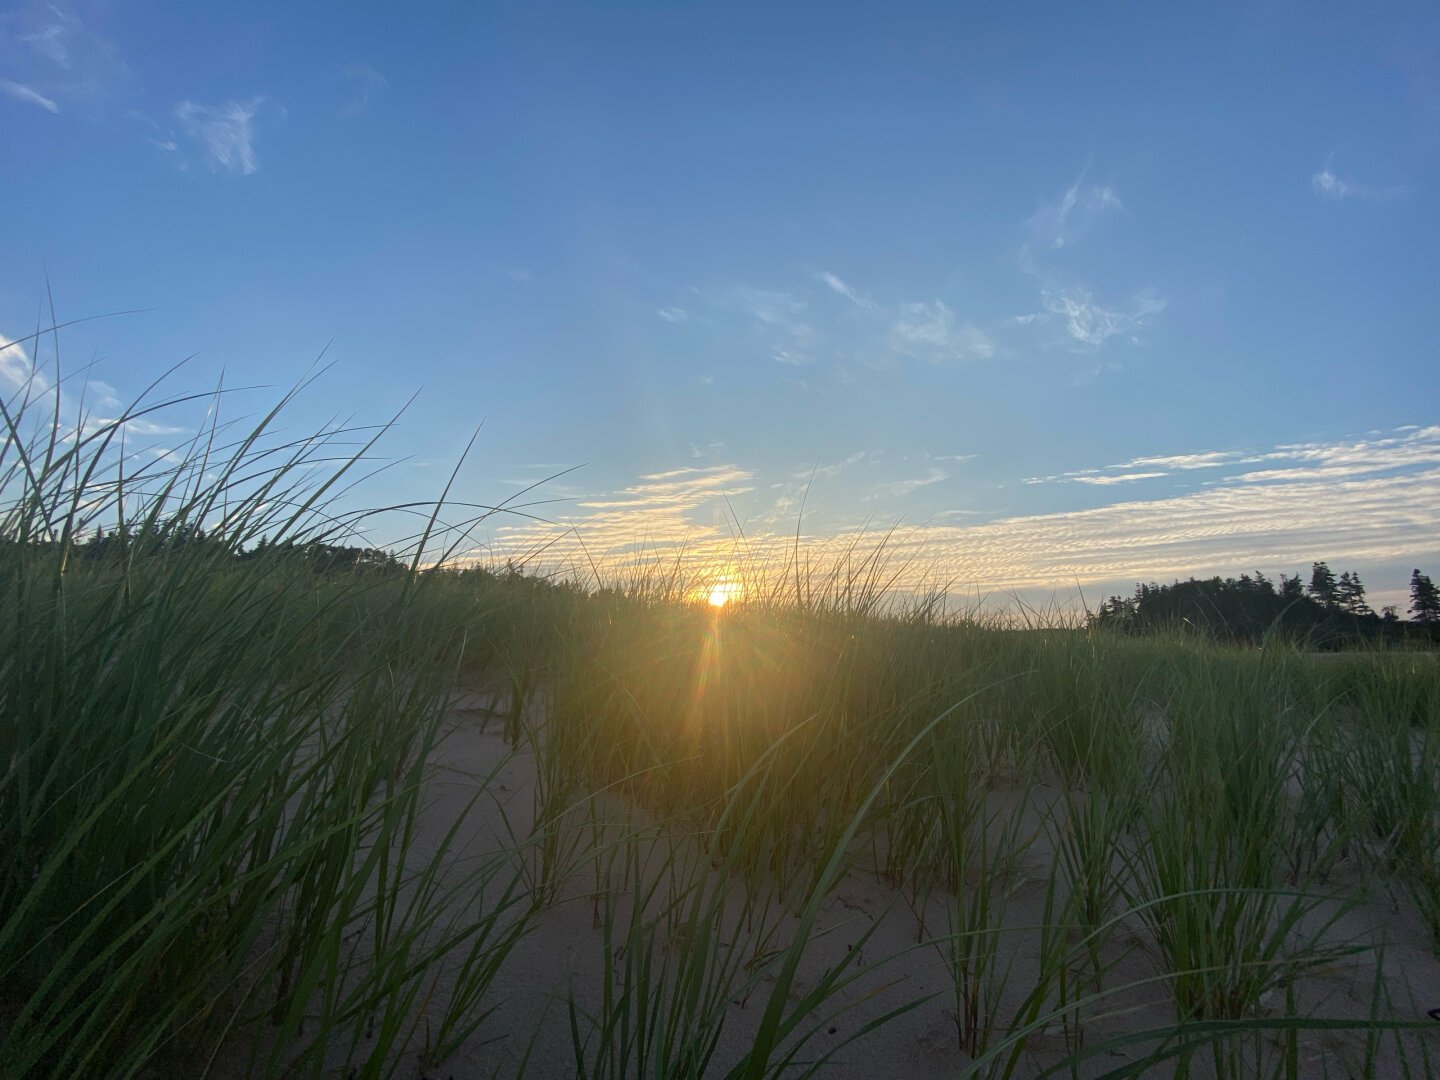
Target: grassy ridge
(1207,794)
(217,766)
(213,764)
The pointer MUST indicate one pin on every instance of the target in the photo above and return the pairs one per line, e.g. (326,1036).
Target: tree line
(1329,610)
(322,557)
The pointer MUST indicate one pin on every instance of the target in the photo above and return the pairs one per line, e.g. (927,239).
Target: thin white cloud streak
(673,314)
(836,468)
(668,495)
(1089,325)
(873,334)
(776,317)
(51,30)
(1122,478)
(1378,519)
(859,300)
(905,487)
(1329,186)
(1062,223)
(21,92)
(1207,460)
(140,427)
(226,133)
(928,331)
(791,357)
(1408,447)
(51,57)
(771,307)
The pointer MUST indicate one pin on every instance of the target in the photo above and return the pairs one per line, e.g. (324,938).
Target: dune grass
(217,766)
(213,763)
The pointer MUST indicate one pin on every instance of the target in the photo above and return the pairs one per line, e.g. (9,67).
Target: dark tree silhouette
(1323,589)
(1330,613)
(1350,594)
(1424,599)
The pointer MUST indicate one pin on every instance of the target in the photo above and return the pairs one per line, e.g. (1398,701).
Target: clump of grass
(1388,782)
(215,760)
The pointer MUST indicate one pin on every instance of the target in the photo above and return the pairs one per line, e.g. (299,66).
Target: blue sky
(1077,294)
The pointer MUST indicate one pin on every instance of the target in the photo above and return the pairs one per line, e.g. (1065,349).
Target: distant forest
(153,540)
(1328,611)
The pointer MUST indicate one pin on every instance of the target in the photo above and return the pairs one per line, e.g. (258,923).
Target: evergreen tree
(1350,594)
(1322,585)
(1424,599)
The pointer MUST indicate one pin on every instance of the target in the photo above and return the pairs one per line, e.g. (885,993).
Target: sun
(723,592)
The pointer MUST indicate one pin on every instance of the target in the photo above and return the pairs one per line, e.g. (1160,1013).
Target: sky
(1071,296)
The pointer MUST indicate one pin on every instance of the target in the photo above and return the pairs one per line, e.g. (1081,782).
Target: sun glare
(723,592)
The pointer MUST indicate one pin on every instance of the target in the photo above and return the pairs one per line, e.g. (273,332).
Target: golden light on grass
(722,592)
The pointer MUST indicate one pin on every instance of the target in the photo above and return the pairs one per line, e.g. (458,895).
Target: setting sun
(723,593)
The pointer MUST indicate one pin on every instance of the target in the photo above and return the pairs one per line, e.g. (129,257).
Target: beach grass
(222,850)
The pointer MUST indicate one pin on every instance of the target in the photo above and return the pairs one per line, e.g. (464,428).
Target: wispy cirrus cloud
(365,84)
(21,92)
(770,307)
(1203,460)
(1089,325)
(835,468)
(50,56)
(922,329)
(929,331)
(660,511)
(801,328)
(857,298)
(901,488)
(776,317)
(1410,447)
(1226,528)
(54,59)
(1061,223)
(224,133)
(791,357)
(677,488)
(1105,480)
(1328,185)
(140,426)
(49,31)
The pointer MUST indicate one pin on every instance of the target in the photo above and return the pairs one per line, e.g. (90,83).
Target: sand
(563,956)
